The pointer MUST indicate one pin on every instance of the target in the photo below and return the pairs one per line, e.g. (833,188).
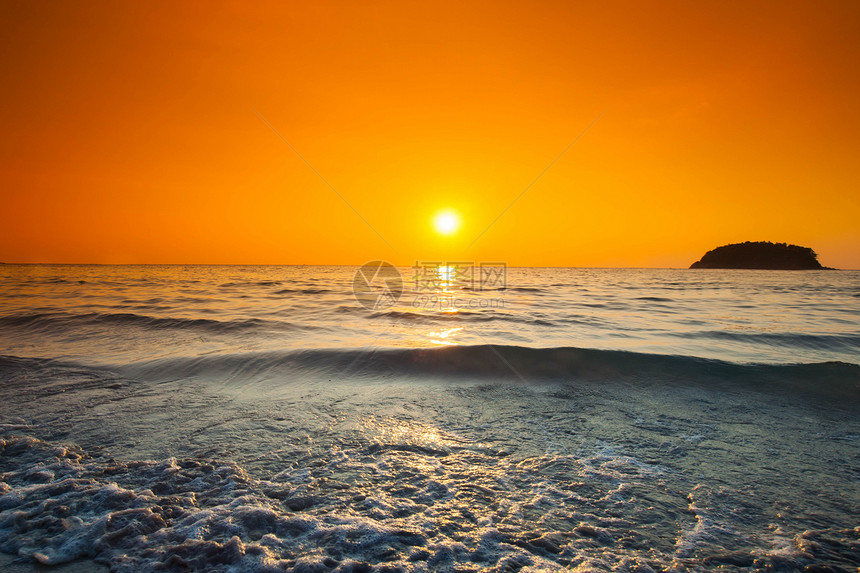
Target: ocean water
(225,418)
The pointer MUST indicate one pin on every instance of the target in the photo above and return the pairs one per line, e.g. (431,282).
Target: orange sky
(130,132)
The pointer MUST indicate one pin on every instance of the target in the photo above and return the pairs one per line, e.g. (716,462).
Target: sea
(439,417)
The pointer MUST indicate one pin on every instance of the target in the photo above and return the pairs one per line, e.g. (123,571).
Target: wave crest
(517,364)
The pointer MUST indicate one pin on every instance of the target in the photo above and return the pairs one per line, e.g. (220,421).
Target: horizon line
(402,266)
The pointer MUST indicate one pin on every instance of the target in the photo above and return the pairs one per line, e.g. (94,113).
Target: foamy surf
(422,510)
(414,474)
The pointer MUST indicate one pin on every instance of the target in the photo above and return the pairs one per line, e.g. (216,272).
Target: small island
(760,255)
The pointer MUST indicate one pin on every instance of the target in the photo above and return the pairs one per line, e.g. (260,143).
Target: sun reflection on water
(446,278)
(451,291)
(444,337)
(390,432)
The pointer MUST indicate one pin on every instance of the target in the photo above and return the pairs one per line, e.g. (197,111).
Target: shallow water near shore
(257,433)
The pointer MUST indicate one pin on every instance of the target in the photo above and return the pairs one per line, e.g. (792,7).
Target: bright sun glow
(446,222)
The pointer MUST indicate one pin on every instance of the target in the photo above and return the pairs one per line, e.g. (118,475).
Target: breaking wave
(524,364)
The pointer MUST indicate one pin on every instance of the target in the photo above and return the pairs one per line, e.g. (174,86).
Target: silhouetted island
(759,255)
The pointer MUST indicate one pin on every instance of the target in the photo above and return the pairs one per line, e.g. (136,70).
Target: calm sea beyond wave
(227,418)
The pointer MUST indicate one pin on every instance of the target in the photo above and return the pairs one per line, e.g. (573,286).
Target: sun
(446,222)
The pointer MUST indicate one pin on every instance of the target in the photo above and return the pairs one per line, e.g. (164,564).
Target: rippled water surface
(262,419)
(131,313)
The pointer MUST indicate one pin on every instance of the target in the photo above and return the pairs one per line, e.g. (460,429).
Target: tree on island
(759,255)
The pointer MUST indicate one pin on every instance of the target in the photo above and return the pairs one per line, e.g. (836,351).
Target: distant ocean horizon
(451,416)
(356,265)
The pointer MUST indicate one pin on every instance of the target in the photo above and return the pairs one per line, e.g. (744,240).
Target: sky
(566,133)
